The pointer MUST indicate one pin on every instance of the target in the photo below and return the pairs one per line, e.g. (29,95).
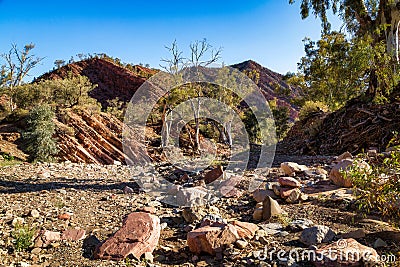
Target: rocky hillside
(268,82)
(113,80)
(96,138)
(356,127)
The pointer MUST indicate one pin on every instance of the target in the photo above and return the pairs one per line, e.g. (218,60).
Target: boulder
(270,208)
(290,168)
(245,230)
(336,176)
(213,175)
(291,195)
(345,252)
(289,181)
(139,233)
(260,194)
(295,195)
(211,239)
(316,235)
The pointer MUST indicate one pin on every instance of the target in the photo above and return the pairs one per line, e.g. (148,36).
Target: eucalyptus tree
(16,67)
(372,27)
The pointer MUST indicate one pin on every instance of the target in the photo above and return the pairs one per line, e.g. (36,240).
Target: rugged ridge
(113,80)
(268,79)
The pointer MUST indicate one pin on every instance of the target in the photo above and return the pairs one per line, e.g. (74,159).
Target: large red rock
(289,181)
(139,233)
(245,229)
(211,239)
(346,252)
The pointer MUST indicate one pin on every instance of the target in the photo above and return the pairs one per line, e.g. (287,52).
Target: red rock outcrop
(94,138)
(113,81)
(139,234)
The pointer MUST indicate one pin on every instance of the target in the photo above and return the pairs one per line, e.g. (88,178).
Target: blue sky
(269,32)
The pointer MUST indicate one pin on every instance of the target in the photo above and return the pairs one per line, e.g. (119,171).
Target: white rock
(35,213)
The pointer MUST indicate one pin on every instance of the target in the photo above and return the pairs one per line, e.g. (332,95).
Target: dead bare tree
(18,64)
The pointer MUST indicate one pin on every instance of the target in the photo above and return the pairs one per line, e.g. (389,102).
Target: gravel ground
(93,196)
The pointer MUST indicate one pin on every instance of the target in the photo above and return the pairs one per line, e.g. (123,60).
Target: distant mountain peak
(113,80)
(272,85)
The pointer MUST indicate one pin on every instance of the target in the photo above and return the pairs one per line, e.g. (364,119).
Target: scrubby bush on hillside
(117,108)
(310,107)
(65,93)
(39,136)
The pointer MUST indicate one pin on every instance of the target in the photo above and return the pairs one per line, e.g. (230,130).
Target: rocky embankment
(96,215)
(90,138)
(356,127)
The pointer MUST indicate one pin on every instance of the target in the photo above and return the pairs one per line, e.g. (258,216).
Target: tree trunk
(228,129)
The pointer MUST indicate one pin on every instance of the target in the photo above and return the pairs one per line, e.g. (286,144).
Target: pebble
(241,244)
(379,243)
(36,251)
(64,216)
(35,214)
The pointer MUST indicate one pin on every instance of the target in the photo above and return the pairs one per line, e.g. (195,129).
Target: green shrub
(16,115)
(117,108)
(379,188)
(310,107)
(41,145)
(23,236)
(281,116)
